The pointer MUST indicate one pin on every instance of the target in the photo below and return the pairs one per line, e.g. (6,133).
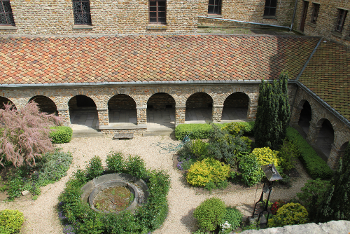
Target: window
(270,8)
(341,19)
(316,9)
(81,10)
(6,16)
(214,7)
(157,11)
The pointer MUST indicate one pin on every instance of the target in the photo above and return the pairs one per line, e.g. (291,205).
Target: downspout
(294,13)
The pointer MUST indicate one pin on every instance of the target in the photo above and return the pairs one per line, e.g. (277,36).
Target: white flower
(225,225)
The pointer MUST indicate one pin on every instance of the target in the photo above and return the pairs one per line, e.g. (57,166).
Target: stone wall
(55,17)
(252,11)
(326,20)
(319,114)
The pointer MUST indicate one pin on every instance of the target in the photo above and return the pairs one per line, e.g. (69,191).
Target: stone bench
(123,136)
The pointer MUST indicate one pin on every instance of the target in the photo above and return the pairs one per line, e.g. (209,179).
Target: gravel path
(41,215)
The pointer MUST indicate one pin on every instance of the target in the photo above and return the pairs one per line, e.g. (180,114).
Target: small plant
(231,220)
(210,213)
(11,221)
(207,170)
(265,156)
(95,168)
(61,134)
(135,166)
(288,154)
(239,128)
(250,169)
(289,214)
(199,149)
(115,162)
(276,205)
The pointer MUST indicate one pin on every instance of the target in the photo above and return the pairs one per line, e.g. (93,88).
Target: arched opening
(45,104)
(4,101)
(325,137)
(83,111)
(199,108)
(161,110)
(235,107)
(122,109)
(305,117)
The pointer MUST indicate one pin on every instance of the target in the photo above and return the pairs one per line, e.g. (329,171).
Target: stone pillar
(103,118)
(217,113)
(64,114)
(141,115)
(333,158)
(294,119)
(180,115)
(313,133)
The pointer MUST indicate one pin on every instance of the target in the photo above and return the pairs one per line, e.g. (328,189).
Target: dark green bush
(194,131)
(250,169)
(314,164)
(232,217)
(287,155)
(135,166)
(210,213)
(11,221)
(61,134)
(115,162)
(199,149)
(146,218)
(95,168)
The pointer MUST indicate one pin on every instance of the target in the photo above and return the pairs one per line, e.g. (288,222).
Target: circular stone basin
(115,192)
(114,196)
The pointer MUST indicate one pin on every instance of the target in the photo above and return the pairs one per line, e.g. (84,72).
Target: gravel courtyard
(41,215)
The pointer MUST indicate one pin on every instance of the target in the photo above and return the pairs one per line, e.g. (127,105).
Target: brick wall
(326,21)
(53,17)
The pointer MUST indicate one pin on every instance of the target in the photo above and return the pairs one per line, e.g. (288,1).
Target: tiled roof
(151,58)
(327,75)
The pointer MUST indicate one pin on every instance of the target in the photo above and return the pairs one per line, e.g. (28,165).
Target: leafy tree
(273,114)
(24,134)
(336,204)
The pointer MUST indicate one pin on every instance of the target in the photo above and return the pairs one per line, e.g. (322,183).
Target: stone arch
(45,104)
(161,109)
(4,100)
(305,115)
(325,136)
(236,107)
(199,107)
(122,109)
(83,111)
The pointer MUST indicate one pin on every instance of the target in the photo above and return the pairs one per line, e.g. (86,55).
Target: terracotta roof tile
(146,58)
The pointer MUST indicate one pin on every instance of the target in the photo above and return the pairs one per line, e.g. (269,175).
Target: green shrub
(250,170)
(289,214)
(233,219)
(11,221)
(315,166)
(265,156)
(199,149)
(61,134)
(115,162)
(287,155)
(95,168)
(135,166)
(312,194)
(210,213)
(194,131)
(239,128)
(209,169)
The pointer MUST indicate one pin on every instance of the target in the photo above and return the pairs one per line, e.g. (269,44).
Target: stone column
(217,113)
(334,156)
(180,115)
(103,118)
(141,115)
(294,119)
(313,133)
(64,114)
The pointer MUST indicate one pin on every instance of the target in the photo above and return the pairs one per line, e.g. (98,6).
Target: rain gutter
(247,22)
(294,13)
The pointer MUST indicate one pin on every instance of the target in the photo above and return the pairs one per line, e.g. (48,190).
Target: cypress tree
(336,204)
(272,117)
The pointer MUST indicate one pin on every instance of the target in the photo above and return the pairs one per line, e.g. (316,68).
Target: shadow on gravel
(189,221)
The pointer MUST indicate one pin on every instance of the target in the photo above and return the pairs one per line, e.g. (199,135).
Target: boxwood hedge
(61,134)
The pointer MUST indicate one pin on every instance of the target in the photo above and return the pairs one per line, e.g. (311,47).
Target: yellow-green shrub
(289,214)
(207,170)
(266,156)
(11,221)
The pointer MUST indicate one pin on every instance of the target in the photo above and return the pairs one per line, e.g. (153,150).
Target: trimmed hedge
(203,131)
(61,134)
(314,164)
